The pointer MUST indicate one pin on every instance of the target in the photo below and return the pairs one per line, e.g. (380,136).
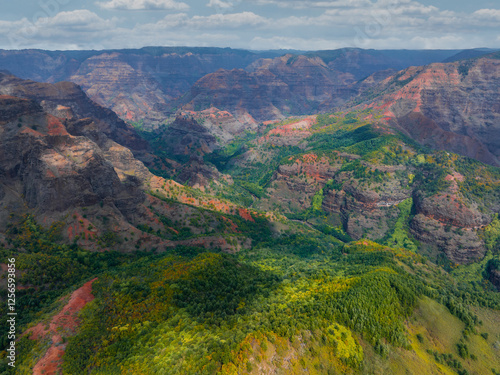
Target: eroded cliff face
(147,85)
(67,100)
(452,106)
(132,94)
(61,167)
(272,88)
(46,169)
(299,84)
(135,84)
(59,162)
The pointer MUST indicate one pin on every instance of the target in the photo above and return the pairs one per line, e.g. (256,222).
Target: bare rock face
(134,94)
(367,208)
(187,140)
(65,99)
(460,245)
(196,173)
(450,209)
(449,106)
(272,88)
(57,163)
(185,136)
(494,277)
(52,170)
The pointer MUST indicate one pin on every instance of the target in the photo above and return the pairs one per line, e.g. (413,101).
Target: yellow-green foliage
(317,200)
(294,304)
(491,235)
(420,159)
(400,236)
(411,176)
(346,346)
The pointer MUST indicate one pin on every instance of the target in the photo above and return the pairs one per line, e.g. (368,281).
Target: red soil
(80,227)
(234,227)
(55,126)
(245,214)
(66,321)
(301,127)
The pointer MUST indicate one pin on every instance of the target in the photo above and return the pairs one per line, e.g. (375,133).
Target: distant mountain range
(148,84)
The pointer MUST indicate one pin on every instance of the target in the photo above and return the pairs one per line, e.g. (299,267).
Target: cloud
(69,29)
(306,4)
(229,20)
(143,5)
(487,14)
(76,20)
(329,24)
(220,4)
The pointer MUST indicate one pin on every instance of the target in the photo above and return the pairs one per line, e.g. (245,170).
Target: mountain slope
(140,84)
(320,244)
(354,177)
(66,159)
(451,106)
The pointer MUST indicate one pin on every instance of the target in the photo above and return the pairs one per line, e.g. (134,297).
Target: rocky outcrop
(140,84)
(222,124)
(495,278)
(452,106)
(55,170)
(460,245)
(272,88)
(367,209)
(67,100)
(196,173)
(451,209)
(185,136)
(492,272)
(187,141)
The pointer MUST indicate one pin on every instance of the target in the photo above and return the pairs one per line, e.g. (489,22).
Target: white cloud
(76,20)
(487,14)
(305,4)
(69,29)
(220,4)
(331,24)
(143,5)
(230,20)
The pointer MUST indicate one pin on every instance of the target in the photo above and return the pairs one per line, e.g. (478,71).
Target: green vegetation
(400,237)
(301,294)
(150,314)
(491,235)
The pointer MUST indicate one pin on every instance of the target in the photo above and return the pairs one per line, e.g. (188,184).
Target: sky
(250,24)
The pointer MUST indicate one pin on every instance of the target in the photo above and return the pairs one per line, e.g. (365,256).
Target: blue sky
(251,24)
